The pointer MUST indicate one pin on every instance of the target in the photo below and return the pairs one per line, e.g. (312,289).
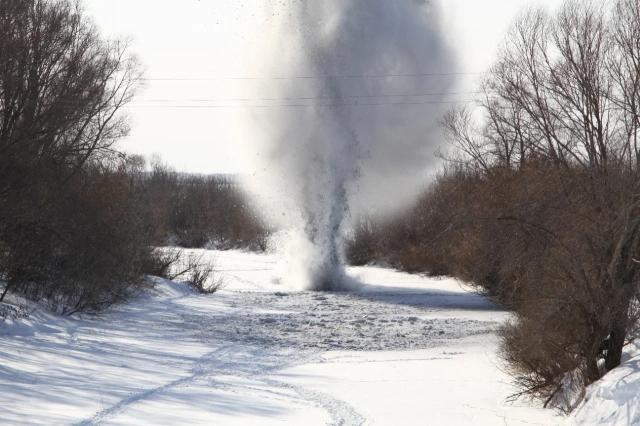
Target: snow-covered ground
(614,400)
(403,350)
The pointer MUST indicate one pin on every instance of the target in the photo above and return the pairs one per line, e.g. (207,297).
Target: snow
(452,385)
(402,350)
(615,399)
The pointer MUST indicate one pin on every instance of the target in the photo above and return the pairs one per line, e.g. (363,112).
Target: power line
(163,101)
(310,98)
(315,77)
(353,104)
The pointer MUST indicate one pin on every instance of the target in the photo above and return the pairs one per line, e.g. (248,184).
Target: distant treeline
(196,211)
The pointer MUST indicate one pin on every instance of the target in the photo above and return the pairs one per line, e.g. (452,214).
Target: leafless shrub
(361,247)
(559,154)
(163,262)
(540,205)
(203,280)
(198,273)
(87,251)
(69,232)
(12,312)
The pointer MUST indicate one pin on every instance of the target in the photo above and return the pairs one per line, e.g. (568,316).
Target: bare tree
(62,91)
(564,97)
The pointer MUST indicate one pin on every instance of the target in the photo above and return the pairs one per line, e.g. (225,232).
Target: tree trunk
(621,274)
(5,291)
(593,372)
(616,341)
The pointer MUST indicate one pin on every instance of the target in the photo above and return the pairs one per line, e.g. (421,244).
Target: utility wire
(315,77)
(352,104)
(163,101)
(310,98)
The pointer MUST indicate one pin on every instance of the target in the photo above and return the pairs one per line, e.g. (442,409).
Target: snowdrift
(614,400)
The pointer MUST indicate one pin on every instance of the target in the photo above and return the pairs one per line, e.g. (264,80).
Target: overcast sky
(192,124)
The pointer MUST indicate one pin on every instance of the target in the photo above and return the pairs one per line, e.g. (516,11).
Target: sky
(198,84)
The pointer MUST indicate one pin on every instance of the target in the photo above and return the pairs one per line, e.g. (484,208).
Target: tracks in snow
(254,365)
(259,333)
(341,413)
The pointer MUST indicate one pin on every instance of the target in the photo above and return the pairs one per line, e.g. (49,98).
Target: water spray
(357,88)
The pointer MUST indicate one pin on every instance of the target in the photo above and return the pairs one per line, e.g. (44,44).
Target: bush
(86,251)
(70,230)
(542,210)
(540,249)
(201,276)
(195,211)
(163,262)
(193,269)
